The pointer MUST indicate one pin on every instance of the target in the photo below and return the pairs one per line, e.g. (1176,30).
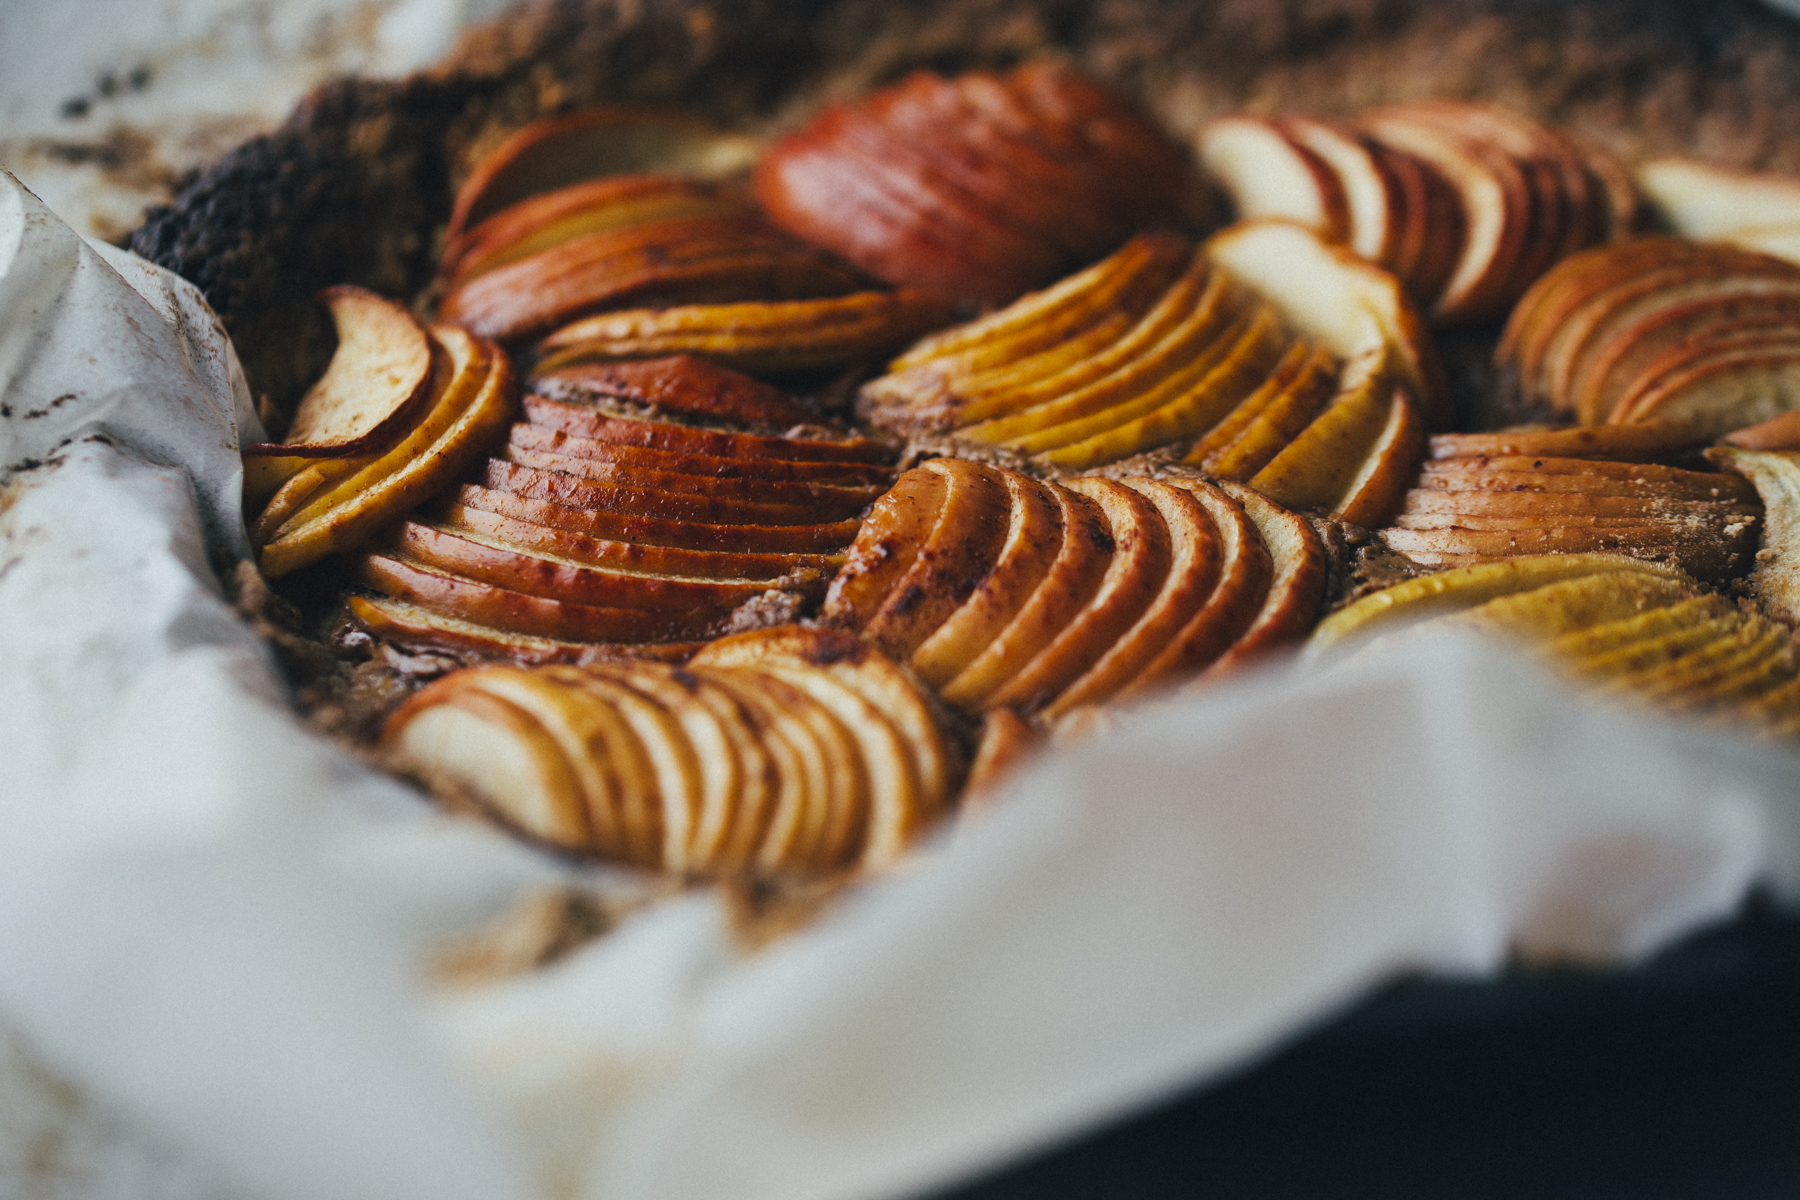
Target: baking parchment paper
(214,924)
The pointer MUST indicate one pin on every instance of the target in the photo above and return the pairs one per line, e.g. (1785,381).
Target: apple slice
(676,383)
(1700,200)
(1548,612)
(770,337)
(1644,441)
(1033,538)
(1366,179)
(379,378)
(660,532)
(1142,553)
(1556,505)
(1380,486)
(1296,587)
(886,547)
(1615,368)
(557,151)
(1305,385)
(1273,428)
(473,409)
(1777,241)
(1776,477)
(555,441)
(584,420)
(1270,174)
(1007,742)
(838,498)
(957,554)
(1083,559)
(1315,470)
(1606,643)
(1726,388)
(412,626)
(1334,298)
(540,484)
(672,785)
(1205,560)
(1572,474)
(1692,550)
(1427,596)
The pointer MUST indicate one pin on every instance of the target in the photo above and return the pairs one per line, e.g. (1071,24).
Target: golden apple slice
(1302,387)
(656,531)
(1548,612)
(1315,470)
(1614,642)
(1273,428)
(1776,477)
(415,627)
(1192,399)
(1334,298)
(1142,554)
(499,753)
(1296,587)
(674,788)
(1227,612)
(500,608)
(1426,503)
(1686,678)
(1033,538)
(1200,550)
(678,383)
(1380,486)
(1083,556)
(955,557)
(886,547)
(1571,474)
(378,379)
(1643,441)
(1615,368)
(1269,174)
(584,420)
(557,151)
(1428,596)
(1700,200)
(1694,550)
(473,411)
(771,337)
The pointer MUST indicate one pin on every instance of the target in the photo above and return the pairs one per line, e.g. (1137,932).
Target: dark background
(1680,1078)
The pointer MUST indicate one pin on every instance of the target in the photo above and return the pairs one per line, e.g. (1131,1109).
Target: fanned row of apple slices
(980,187)
(1629,631)
(596,527)
(1485,496)
(1000,590)
(403,442)
(623,241)
(1661,327)
(780,752)
(1466,202)
(1162,345)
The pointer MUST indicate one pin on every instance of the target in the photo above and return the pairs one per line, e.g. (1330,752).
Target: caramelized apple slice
(1380,485)
(840,499)
(558,151)
(1294,386)
(1700,200)
(415,627)
(1697,551)
(1371,193)
(554,441)
(676,383)
(655,503)
(886,547)
(1007,742)
(1727,388)
(586,421)
(1644,441)
(1296,586)
(1315,470)
(660,531)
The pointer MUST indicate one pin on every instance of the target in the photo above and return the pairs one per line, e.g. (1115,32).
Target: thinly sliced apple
(1205,560)
(1777,241)
(1565,606)
(1777,433)
(676,383)
(1296,587)
(1608,642)
(673,791)
(957,554)
(1306,386)
(1269,174)
(378,380)
(1379,486)
(1728,388)
(1427,596)
(1336,299)
(1776,477)
(1315,470)
(1515,503)
(1142,552)
(1613,369)
(1192,399)
(1644,441)
(1007,742)
(1700,200)
(770,337)
(655,503)
(1272,429)
(1438,227)
(1033,538)
(886,547)
(824,498)
(535,616)
(555,441)
(657,531)
(1691,549)
(557,151)
(473,411)
(1570,474)
(1371,193)
(488,560)
(1082,561)
(415,627)
(584,420)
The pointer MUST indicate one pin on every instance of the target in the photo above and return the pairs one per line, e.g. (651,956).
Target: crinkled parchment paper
(214,925)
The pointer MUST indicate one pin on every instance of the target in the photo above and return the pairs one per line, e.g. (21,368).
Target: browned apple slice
(1269,174)
(774,337)
(1315,470)
(1645,441)
(671,792)
(1200,547)
(1306,386)
(378,379)
(1296,585)
(1334,298)
(1776,477)
(557,151)
(584,420)
(1615,368)
(1380,485)
(554,441)
(1636,637)
(487,560)
(676,383)
(1008,741)
(886,547)
(1142,552)
(534,616)
(954,558)
(653,502)
(1526,503)
(1726,388)
(1083,558)
(1438,227)
(1033,538)
(473,409)
(836,499)
(658,531)
(412,626)
(1276,425)
(1570,474)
